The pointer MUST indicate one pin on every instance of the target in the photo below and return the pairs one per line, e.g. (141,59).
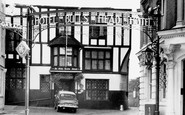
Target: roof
(61,41)
(67,92)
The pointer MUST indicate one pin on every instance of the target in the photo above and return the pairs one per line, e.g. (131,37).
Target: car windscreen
(67,96)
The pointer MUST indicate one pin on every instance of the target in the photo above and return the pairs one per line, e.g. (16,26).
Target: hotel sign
(93,18)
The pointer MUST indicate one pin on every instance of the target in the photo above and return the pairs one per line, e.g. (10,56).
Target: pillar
(169,51)
(180,13)
(170,88)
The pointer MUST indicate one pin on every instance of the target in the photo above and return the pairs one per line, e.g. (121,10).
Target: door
(63,84)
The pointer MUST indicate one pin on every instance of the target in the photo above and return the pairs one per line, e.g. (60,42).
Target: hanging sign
(22,49)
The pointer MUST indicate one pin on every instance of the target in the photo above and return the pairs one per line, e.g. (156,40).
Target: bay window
(63,57)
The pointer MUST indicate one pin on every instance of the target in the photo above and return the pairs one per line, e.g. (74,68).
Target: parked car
(65,100)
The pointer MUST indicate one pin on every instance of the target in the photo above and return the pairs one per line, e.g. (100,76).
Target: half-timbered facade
(84,50)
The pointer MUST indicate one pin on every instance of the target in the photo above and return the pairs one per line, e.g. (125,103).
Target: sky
(123,4)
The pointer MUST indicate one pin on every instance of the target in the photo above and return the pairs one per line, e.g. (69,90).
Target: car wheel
(74,110)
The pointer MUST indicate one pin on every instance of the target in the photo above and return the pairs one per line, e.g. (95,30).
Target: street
(19,110)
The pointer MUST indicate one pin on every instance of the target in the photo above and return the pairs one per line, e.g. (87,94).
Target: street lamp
(23,50)
(154,52)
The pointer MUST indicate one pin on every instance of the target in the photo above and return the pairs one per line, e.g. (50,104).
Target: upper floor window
(64,52)
(97,59)
(97,35)
(63,57)
(97,31)
(149,82)
(12,40)
(66,30)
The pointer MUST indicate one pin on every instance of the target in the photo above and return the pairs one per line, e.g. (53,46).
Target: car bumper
(67,106)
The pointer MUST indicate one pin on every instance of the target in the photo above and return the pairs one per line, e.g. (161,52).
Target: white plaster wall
(115,59)
(35,72)
(36,53)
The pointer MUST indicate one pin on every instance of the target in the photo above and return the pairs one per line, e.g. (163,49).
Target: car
(65,100)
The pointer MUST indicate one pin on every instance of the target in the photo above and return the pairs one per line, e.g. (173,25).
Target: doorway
(63,84)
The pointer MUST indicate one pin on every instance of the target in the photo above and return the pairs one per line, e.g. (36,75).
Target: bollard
(121,107)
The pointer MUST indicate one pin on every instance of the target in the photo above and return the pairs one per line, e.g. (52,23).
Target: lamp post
(23,51)
(155,48)
(27,66)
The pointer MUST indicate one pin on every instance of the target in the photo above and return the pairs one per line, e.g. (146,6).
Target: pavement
(20,110)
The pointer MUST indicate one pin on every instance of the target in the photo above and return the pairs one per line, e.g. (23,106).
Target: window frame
(98,60)
(45,82)
(97,90)
(18,75)
(57,55)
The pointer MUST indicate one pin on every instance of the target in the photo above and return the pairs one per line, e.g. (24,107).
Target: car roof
(67,92)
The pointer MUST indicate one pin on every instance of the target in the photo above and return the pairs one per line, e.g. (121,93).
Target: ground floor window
(15,78)
(45,83)
(97,89)
(163,81)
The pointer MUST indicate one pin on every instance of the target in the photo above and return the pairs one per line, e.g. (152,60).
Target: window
(60,59)
(97,31)
(163,81)
(150,82)
(65,30)
(97,89)
(97,60)
(12,40)
(97,35)
(15,78)
(45,83)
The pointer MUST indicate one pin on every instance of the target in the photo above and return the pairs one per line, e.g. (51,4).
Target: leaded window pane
(12,83)
(69,61)
(55,61)
(87,64)
(19,72)
(107,55)
(55,50)
(88,95)
(45,83)
(62,50)
(62,61)
(94,64)
(12,72)
(75,61)
(87,54)
(19,84)
(69,51)
(101,55)
(107,64)
(100,64)
(94,55)
(75,52)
